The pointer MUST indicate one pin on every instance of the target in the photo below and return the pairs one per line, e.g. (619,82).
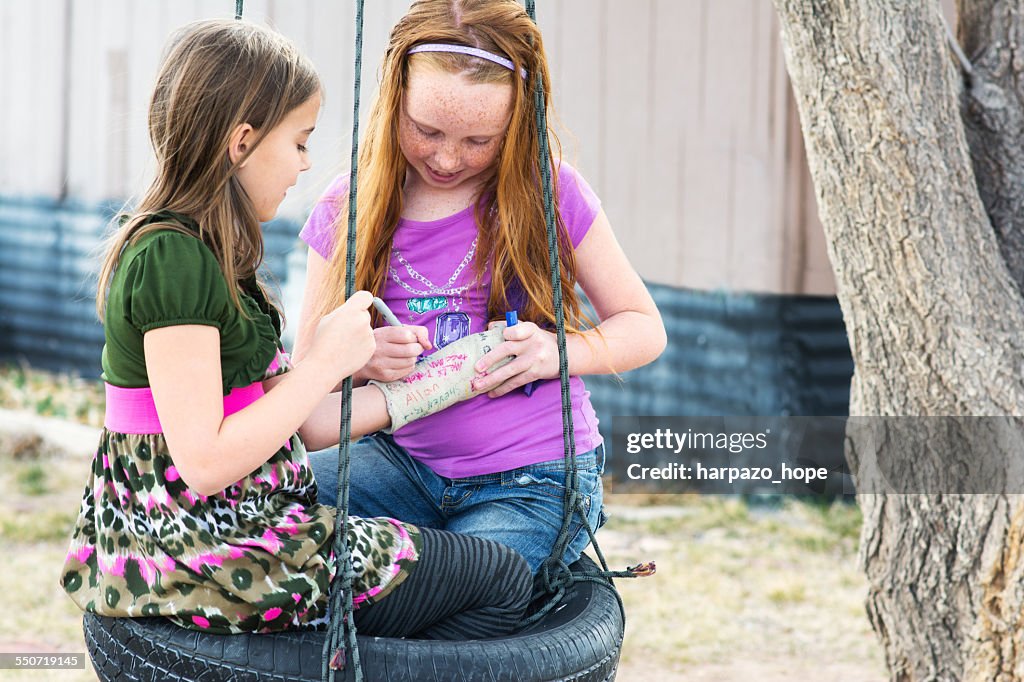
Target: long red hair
(510,208)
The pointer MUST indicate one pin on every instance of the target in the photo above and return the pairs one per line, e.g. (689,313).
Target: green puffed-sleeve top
(168,278)
(254,557)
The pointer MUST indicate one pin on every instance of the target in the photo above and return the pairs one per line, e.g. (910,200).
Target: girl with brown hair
(452,234)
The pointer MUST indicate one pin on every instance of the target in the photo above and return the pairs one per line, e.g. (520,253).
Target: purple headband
(466,49)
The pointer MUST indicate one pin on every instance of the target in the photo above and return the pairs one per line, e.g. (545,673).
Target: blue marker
(511,320)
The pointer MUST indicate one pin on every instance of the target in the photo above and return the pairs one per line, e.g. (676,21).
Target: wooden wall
(680,113)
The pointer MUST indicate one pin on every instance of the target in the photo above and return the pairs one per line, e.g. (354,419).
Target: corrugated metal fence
(49,256)
(45,292)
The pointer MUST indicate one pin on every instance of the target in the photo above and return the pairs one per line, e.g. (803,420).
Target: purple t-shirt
(427,282)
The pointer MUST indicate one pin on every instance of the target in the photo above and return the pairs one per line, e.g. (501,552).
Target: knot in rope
(556,575)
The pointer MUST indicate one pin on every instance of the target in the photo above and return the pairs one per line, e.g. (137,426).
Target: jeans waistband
(584,460)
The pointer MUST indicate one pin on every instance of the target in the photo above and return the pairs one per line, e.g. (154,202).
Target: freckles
(482,157)
(410,142)
(414,147)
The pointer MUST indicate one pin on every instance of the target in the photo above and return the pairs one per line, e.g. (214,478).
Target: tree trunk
(933,316)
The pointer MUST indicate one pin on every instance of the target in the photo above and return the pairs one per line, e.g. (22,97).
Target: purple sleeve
(577,203)
(318,231)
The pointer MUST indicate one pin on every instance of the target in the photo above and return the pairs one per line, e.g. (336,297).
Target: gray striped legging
(462,587)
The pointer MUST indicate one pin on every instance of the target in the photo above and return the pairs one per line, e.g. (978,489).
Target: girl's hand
(535,356)
(344,339)
(397,351)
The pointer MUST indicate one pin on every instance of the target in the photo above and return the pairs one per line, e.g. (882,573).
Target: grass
(774,586)
(31,480)
(765,589)
(64,396)
(37,511)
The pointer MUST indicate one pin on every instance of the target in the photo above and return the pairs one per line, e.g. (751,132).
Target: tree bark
(992,105)
(933,315)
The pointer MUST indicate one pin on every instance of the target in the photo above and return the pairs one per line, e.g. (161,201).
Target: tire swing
(574,635)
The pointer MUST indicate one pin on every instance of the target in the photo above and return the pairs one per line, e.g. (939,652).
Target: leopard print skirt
(255,557)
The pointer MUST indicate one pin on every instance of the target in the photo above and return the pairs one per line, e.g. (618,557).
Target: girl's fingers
(401,350)
(516,347)
(513,345)
(503,380)
(507,387)
(495,355)
(407,334)
(396,335)
(520,332)
(394,363)
(360,300)
(422,337)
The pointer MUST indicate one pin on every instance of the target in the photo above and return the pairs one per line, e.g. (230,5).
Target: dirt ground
(743,592)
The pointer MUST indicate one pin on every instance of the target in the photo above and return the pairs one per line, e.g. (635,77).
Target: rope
(568,432)
(555,574)
(965,63)
(334,656)
(556,577)
(342,622)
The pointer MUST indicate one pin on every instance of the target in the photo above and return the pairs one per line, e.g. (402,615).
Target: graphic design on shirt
(425,305)
(450,327)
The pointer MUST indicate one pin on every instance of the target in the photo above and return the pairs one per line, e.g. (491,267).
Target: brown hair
(510,209)
(215,76)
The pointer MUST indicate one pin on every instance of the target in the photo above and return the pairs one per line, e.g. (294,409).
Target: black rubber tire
(580,641)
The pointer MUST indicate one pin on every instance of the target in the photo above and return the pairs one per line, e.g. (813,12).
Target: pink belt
(132,410)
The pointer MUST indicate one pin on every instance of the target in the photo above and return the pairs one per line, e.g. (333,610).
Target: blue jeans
(520,508)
